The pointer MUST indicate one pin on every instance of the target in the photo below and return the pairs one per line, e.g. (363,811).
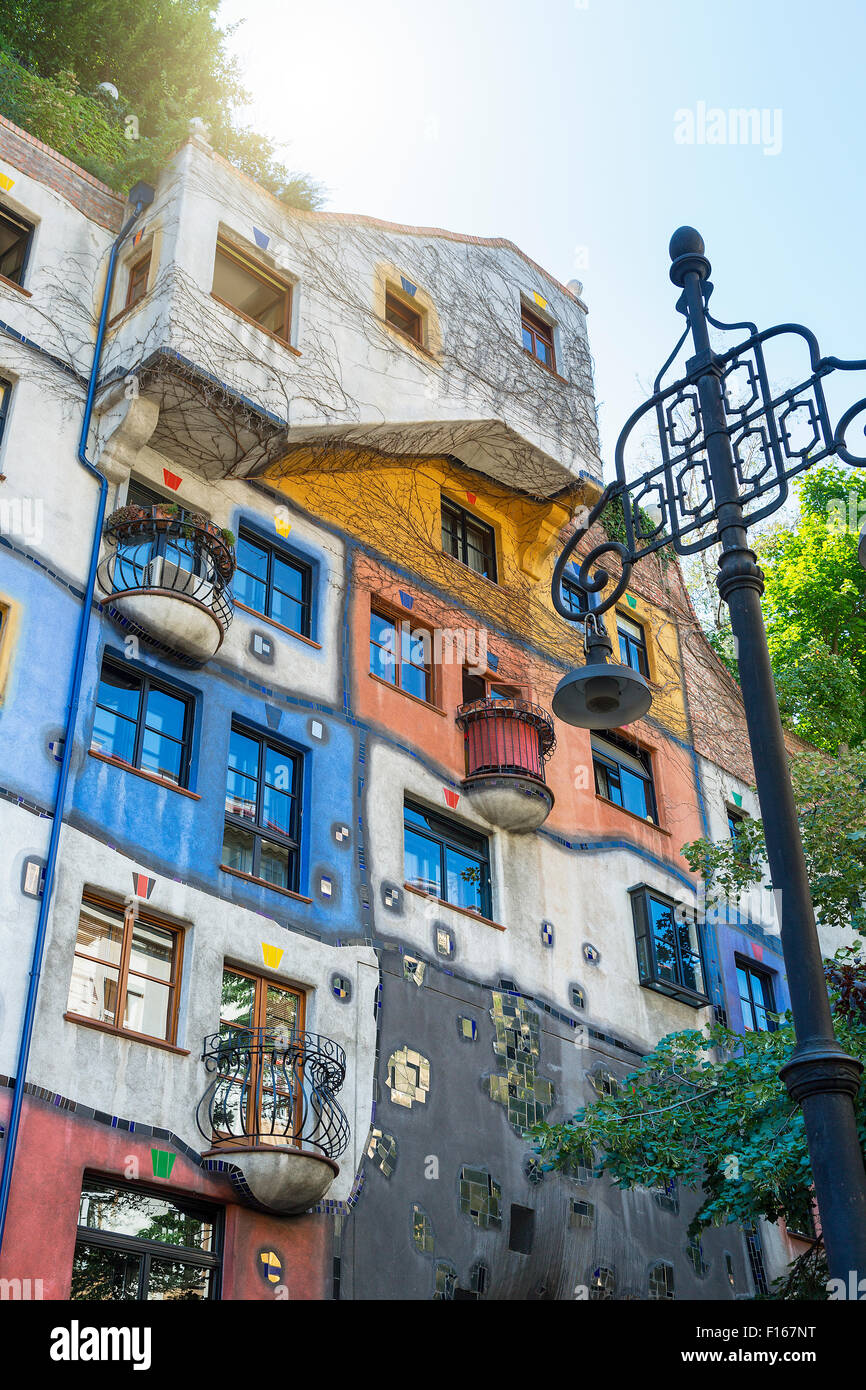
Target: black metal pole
(820,1075)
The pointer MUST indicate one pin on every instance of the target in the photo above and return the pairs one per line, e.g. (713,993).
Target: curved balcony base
(510,801)
(172,621)
(285,1181)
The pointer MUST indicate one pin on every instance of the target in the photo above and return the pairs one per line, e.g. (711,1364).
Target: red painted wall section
(56,1146)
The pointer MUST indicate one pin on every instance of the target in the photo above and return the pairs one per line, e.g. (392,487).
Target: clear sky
(553,123)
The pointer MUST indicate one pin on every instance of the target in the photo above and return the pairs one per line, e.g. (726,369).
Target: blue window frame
(575,598)
(668,941)
(262,833)
(757,1002)
(632,644)
(623,775)
(274,583)
(446,860)
(144,722)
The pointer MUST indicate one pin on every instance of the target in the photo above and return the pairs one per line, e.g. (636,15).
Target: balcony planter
(271,1112)
(507,745)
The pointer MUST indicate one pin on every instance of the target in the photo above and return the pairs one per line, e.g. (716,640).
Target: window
(244,285)
(400,655)
(537,338)
(402,316)
(695,1257)
(260,1092)
(632,644)
(602,1283)
(735,823)
(5,393)
(15,238)
(446,860)
(661,1280)
(755,988)
(756,1260)
(274,583)
(263,810)
(574,597)
(137,287)
(480,688)
(522,1229)
(136,1244)
(143,722)
(668,948)
(468,540)
(126,970)
(623,775)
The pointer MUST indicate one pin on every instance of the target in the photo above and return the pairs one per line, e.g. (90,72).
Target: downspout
(142,194)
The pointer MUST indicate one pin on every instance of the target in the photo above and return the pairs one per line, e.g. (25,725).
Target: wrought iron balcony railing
(274,1088)
(506,736)
(157,552)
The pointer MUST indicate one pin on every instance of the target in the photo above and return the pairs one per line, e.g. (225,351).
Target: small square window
(537,338)
(403,317)
(251,289)
(271,581)
(15,238)
(468,540)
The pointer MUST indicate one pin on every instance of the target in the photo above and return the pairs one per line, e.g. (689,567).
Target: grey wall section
(457,1124)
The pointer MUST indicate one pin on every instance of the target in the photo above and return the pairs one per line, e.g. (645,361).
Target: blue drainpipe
(142,196)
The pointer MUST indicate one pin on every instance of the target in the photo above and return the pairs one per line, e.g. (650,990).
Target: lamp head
(602,694)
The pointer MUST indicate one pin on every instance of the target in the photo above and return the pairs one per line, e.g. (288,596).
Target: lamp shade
(601,696)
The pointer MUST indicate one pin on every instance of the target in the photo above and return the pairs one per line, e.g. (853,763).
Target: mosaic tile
(695,1257)
(413,970)
(467,1028)
(525,1096)
(422,1232)
(445,1282)
(578,997)
(341,987)
(602,1283)
(547,933)
(341,833)
(603,1082)
(580,1213)
(533,1170)
(591,953)
(661,1280)
(480,1197)
(669,1198)
(444,942)
(408,1077)
(382,1149)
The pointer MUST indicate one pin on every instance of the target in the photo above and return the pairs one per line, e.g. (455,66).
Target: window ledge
(11,285)
(551,371)
(125,311)
(412,342)
(296,352)
(467,569)
(263,883)
(641,820)
(282,627)
(464,911)
(126,1033)
(140,772)
(407,694)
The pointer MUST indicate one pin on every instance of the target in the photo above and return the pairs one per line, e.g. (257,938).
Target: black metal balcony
(167,576)
(508,742)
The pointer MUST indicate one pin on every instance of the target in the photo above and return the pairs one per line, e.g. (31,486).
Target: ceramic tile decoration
(444,942)
(661,1280)
(413,970)
(382,1149)
(445,1281)
(408,1077)
(341,988)
(480,1197)
(526,1096)
(422,1231)
(547,933)
(467,1028)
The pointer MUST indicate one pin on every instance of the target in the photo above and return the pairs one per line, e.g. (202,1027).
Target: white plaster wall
(160,1088)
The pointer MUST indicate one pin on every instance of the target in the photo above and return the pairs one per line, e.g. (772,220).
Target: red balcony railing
(506,736)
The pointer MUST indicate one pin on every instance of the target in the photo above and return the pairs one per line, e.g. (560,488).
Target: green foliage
(707,1109)
(166,58)
(830,795)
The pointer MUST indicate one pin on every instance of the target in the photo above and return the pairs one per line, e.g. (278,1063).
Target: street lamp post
(729,447)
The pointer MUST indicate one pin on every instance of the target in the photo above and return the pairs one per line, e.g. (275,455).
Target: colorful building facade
(339,910)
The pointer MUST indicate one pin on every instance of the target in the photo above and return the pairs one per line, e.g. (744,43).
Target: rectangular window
(273,583)
(263,810)
(632,644)
(134,1244)
(537,338)
(137,286)
(574,597)
(755,988)
(251,289)
(623,775)
(143,722)
(261,1089)
(735,822)
(468,540)
(446,860)
(401,655)
(126,971)
(15,236)
(668,947)
(402,316)
(5,393)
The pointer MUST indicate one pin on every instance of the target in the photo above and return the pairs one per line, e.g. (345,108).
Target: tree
(168,60)
(708,1111)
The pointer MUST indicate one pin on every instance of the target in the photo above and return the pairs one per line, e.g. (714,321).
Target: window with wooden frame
(468,540)
(144,722)
(623,775)
(477,687)
(15,238)
(402,316)
(263,810)
(632,644)
(136,286)
(537,338)
(253,291)
(137,1243)
(261,1100)
(273,582)
(400,654)
(127,968)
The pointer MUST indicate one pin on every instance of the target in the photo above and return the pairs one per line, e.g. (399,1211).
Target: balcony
(271,1111)
(508,743)
(166,576)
